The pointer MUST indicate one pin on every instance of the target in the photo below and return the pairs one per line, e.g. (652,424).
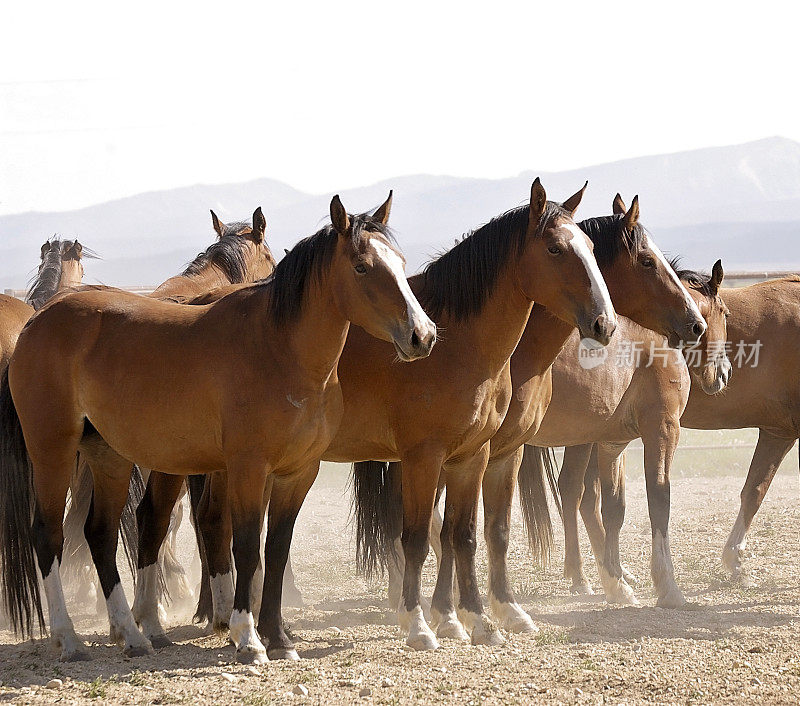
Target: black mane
(45,284)
(461,280)
(699,281)
(226,254)
(307,261)
(610,237)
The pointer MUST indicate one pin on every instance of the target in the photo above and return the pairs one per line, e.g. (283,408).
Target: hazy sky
(100,100)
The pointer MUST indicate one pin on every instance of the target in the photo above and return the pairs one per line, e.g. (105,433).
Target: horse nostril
(698,329)
(415,340)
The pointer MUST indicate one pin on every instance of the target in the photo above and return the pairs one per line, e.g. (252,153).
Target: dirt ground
(733,644)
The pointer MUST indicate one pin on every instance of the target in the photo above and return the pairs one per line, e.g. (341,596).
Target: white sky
(98,100)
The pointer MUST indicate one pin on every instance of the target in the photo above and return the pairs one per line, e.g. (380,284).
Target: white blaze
(690,303)
(598,284)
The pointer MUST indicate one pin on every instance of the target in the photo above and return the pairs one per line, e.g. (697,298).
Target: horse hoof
(138,650)
(520,624)
(582,588)
(159,642)
(220,626)
(423,641)
(80,654)
(630,579)
(621,594)
(452,629)
(490,637)
(249,655)
(283,653)
(672,599)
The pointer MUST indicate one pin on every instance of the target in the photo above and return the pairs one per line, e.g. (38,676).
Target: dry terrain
(733,643)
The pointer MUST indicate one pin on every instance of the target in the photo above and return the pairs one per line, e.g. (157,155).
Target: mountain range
(740,203)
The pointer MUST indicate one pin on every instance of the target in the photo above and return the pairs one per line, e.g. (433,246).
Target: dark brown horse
(643,285)
(438,416)
(247,384)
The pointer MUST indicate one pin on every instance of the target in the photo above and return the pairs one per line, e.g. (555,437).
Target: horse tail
(18,576)
(76,554)
(205,604)
(538,462)
(377,508)
(128,526)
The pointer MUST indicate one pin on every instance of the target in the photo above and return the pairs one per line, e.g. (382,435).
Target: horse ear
(259,225)
(45,249)
(286,251)
(218,225)
(339,217)
(572,203)
(382,214)
(717,276)
(632,215)
(75,251)
(619,206)
(538,203)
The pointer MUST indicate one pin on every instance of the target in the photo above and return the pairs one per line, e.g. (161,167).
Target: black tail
(377,508)
(536,463)
(20,582)
(205,605)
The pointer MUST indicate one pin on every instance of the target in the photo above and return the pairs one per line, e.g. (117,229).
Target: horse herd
(238,376)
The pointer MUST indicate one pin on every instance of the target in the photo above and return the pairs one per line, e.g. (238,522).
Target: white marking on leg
(482,630)
(145,602)
(511,616)
(222,599)
(600,294)
(420,636)
(448,625)
(122,625)
(616,589)
(243,634)
(735,547)
(61,627)
(663,573)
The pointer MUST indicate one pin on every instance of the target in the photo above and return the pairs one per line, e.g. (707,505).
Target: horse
(640,392)
(438,415)
(764,393)
(239,255)
(247,384)
(643,286)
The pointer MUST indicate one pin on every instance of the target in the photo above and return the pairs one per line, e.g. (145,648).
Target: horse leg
(112,475)
(570,488)
(153,518)
(660,437)
(443,610)
(768,455)
(463,491)
(420,478)
(610,471)
(214,523)
(499,483)
(51,482)
(288,494)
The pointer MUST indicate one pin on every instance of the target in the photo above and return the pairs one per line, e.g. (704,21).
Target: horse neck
(544,337)
(71,275)
(208,278)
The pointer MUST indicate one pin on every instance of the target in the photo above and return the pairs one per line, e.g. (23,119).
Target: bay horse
(763,393)
(60,268)
(239,255)
(247,384)
(438,415)
(643,286)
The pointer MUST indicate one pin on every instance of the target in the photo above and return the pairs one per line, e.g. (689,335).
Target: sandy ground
(734,644)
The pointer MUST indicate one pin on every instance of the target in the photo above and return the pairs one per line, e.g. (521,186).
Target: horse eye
(361,268)
(554,250)
(648,262)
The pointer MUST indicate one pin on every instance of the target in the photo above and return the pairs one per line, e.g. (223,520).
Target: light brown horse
(239,255)
(438,415)
(764,392)
(247,384)
(644,286)
(640,390)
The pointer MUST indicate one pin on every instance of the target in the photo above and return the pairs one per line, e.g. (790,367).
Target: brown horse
(764,392)
(643,286)
(641,391)
(240,255)
(60,268)
(247,384)
(438,415)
